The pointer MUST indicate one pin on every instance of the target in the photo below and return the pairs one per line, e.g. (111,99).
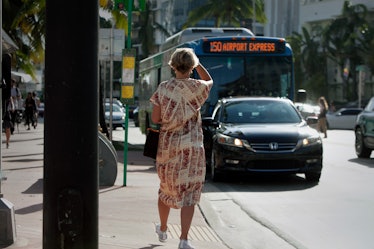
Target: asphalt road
(336,213)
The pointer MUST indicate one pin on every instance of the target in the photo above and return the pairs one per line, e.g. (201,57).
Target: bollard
(7,223)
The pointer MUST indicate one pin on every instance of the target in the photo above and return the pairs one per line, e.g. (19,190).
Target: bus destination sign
(241,46)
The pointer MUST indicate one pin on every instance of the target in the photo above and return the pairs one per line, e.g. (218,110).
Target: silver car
(344,118)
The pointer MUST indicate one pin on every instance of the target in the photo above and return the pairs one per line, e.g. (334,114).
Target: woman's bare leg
(163,212)
(186,220)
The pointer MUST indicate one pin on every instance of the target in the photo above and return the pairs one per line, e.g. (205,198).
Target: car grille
(273,146)
(274,165)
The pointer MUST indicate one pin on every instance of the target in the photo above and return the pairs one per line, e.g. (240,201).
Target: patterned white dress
(180,158)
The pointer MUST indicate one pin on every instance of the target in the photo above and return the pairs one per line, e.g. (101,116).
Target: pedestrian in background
(7,120)
(180,160)
(332,108)
(30,108)
(323,108)
(37,105)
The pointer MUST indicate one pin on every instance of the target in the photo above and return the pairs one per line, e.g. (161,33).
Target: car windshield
(260,111)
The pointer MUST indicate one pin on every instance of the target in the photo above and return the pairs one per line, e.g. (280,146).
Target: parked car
(118,116)
(344,118)
(261,135)
(364,131)
(117,102)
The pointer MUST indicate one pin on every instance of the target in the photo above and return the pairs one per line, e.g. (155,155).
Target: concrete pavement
(127,214)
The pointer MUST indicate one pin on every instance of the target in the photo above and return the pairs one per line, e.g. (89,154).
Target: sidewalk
(127,215)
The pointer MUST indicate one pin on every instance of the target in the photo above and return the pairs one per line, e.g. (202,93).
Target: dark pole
(70,205)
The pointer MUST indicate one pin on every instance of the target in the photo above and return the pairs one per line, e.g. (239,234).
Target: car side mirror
(311,120)
(209,121)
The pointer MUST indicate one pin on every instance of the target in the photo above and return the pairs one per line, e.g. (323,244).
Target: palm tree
(310,61)
(227,12)
(343,42)
(25,23)
(367,42)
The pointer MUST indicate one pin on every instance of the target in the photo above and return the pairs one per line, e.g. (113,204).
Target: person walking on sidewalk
(30,108)
(7,120)
(322,122)
(180,160)
(37,105)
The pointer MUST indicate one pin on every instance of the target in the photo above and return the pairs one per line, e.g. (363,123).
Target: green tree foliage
(227,12)
(343,39)
(24,21)
(310,64)
(350,36)
(367,41)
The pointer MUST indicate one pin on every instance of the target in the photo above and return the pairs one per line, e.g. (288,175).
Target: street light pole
(71,147)
(254,17)
(1,92)
(128,46)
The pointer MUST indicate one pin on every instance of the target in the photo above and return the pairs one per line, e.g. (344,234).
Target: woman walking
(30,108)
(322,123)
(7,120)
(180,159)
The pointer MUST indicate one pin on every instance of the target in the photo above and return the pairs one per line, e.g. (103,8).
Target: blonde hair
(183,60)
(323,102)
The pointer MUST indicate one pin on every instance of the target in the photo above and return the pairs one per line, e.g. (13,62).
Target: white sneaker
(185,244)
(162,236)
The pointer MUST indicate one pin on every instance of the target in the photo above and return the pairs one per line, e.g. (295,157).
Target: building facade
(284,18)
(320,12)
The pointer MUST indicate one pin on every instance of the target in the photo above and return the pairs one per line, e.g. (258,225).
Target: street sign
(128,76)
(105,38)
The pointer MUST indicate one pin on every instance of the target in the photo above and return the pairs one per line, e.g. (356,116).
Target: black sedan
(261,135)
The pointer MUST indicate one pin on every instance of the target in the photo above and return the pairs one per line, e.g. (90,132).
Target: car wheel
(313,176)
(213,169)
(361,150)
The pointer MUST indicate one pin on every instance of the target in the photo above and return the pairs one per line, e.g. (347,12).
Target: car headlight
(231,141)
(311,141)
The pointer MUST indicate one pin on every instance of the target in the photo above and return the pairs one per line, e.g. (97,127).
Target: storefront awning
(7,44)
(21,77)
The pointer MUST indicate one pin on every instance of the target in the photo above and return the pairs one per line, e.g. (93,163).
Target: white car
(118,116)
(344,118)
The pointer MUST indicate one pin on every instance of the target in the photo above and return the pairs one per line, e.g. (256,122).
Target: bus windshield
(247,76)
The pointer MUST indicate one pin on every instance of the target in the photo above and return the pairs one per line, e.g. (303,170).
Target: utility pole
(254,17)
(70,188)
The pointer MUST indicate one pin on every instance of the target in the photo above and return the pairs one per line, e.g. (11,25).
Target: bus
(240,63)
